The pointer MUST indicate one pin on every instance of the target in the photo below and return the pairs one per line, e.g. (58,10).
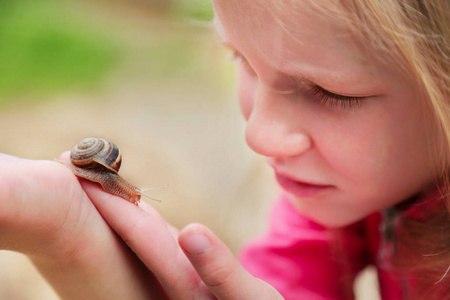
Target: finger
(219,270)
(149,236)
(149,209)
(65,155)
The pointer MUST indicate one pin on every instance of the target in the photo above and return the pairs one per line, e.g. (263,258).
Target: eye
(331,99)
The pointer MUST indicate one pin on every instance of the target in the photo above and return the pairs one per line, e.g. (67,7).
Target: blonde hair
(414,34)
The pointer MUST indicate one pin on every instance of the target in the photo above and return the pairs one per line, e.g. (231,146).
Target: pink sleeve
(304,260)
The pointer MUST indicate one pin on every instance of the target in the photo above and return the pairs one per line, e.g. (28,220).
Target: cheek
(384,157)
(347,152)
(246,88)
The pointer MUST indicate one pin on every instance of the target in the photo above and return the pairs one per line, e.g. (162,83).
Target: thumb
(219,270)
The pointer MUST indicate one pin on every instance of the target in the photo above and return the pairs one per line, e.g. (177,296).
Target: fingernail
(196,243)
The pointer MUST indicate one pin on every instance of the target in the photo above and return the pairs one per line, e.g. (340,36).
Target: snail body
(99,160)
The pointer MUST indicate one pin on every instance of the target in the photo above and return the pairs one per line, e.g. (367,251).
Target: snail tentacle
(152,187)
(140,192)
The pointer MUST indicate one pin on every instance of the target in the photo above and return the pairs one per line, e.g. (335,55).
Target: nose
(272,130)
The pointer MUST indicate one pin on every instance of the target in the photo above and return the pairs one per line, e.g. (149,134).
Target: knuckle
(219,276)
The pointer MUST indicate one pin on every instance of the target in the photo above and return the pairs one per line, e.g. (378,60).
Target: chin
(327,218)
(335,224)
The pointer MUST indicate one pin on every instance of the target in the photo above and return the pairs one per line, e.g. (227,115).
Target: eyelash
(322,96)
(331,99)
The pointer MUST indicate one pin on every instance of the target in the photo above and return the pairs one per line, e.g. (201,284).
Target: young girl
(348,100)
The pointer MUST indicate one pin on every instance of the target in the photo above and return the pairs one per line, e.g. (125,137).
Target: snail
(99,160)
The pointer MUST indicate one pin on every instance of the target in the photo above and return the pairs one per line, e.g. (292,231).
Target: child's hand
(45,214)
(203,267)
(39,200)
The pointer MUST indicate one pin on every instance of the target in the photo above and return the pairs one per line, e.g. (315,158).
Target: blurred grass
(47,48)
(200,10)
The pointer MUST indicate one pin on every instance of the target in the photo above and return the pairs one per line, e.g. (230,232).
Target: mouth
(299,188)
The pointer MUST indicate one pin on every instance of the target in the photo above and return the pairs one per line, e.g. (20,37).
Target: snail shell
(99,160)
(93,153)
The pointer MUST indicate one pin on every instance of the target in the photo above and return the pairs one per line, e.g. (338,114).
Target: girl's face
(346,134)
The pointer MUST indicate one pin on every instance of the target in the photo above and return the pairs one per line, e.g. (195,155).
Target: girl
(348,100)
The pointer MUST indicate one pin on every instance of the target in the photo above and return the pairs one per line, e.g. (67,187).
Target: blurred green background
(51,46)
(148,75)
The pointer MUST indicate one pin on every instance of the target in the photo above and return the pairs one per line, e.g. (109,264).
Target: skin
(45,214)
(76,235)
(371,156)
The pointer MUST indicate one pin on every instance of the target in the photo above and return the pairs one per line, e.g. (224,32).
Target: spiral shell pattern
(92,152)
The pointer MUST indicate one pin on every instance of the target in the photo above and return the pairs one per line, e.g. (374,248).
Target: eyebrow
(218,29)
(333,81)
(304,77)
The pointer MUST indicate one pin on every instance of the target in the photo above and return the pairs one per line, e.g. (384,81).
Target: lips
(299,188)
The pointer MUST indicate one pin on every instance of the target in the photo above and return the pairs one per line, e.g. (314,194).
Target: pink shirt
(304,260)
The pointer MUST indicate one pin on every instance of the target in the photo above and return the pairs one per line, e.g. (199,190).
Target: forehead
(289,34)
(297,19)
